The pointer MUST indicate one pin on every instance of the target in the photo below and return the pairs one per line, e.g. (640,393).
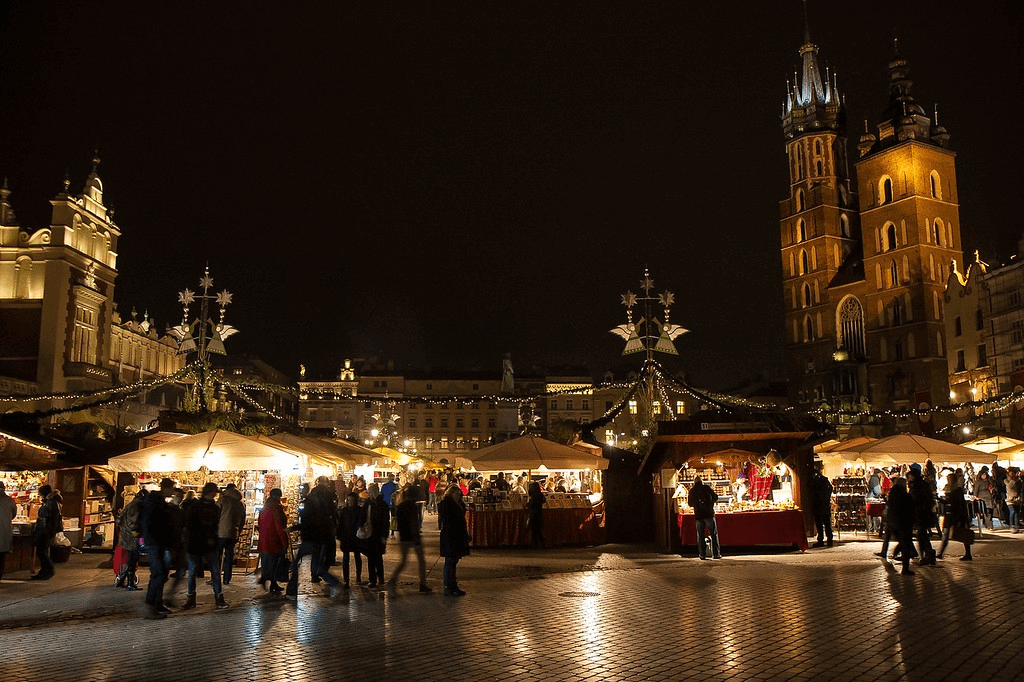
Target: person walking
(273,540)
(902,514)
(535,515)
(408,537)
(924,507)
(702,500)
(1014,497)
(177,561)
(375,545)
(8,510)
(201,522)
(128,540)
(451,514)
(316,529)
(156,531)
(350,517)
(957,518)
(821,497)
(232,519)
(49,522)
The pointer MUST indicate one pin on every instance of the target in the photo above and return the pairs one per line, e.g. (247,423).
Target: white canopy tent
(215,450)
(907,448)
(533,452)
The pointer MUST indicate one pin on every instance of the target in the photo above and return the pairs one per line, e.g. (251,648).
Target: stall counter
(507,527)
(750,528)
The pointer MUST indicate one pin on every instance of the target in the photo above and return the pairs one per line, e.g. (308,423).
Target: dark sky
(444,184)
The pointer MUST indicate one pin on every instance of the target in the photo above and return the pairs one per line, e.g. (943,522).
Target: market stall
(497,518)
(255,466)
(755,500)
(24,467)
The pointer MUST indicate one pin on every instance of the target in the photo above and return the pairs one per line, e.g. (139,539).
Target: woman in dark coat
(902,513)
(958,514)
(451,515)
(350,517)
(535,510)
(374,545)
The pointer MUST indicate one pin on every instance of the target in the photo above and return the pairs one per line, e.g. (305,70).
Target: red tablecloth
(745,529)
(561,527)
(876,508)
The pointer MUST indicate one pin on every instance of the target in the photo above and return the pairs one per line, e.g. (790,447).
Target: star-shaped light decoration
(647,283)
(224,297)
(667,299)
(186,297)
(206,281)
(629,299)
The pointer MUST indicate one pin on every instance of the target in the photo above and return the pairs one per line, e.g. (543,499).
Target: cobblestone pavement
(606,613)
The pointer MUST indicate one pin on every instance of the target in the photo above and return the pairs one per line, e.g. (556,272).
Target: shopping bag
(964,535)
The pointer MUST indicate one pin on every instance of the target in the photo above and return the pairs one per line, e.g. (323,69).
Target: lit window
(632,407)
(680,407)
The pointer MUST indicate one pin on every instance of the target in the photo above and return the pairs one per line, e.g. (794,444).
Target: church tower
(819,228)
(910,217)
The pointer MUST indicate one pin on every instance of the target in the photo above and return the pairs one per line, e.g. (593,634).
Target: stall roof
(532,452)
(993,443)
(907,448)
(19,453)
(216,450)
(321,450)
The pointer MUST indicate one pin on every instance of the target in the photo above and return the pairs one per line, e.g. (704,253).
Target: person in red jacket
(273,540)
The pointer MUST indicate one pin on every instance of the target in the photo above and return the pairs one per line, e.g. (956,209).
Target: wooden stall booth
(496,518)
(24,467)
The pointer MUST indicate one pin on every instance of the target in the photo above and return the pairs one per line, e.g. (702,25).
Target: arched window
(801,230)
(844,225)
(897,349)
(807,295)
(799,200)
(885,190)
(894,275)
(851,327)
(804,262)
(817,146)
(936,185)
(938,233)
(897,311)
(808,328)
(800,161)
(820,167)
(890,237)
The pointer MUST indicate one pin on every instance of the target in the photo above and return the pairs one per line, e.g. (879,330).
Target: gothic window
(890,237)
(808,328)
(799,200)
(844,225)
(804,263)
(820,167)
(807,296)
(885,190)
(894,278)
(936,186)
(851,327)
(817,147)
(938,232)
(897,350)
(801,230)
(897,312)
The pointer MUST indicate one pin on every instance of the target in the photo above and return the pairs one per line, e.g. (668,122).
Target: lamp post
(202,335)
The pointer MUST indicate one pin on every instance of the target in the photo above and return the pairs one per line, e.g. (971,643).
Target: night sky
(442,183)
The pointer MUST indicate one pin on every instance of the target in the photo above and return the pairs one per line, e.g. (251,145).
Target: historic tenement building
(866,254)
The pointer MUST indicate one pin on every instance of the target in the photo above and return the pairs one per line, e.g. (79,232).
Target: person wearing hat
(201,525)
(273,540)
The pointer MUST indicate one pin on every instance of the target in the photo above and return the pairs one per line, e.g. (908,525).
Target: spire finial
(807,26)
(896,45)
(95,158)
(67,180)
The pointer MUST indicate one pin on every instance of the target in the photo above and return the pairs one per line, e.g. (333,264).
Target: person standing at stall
(957,518)
(702,500)
(49,522)
(201,524)
(8,510)
(156,531)
(409,537)
(821,495)
(273,539)
(350,518)
(373,546)
(232,519)
(451,515)
(924,507)
(1014,498)
(900,521)
(535,516)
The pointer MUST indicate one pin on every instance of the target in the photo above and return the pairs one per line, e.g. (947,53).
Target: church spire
(814,102)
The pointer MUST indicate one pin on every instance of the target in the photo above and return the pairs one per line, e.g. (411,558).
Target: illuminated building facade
(865,255)
(59,328)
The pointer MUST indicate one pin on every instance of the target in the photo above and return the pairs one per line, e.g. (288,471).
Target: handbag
(366,530)
(964,535)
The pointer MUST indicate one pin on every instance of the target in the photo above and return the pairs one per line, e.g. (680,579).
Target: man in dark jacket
(201,521)
(821,497)
(924,509)
(409,537)
(316,529)
(702,499)
(232,520)
(155,530)
(49,522)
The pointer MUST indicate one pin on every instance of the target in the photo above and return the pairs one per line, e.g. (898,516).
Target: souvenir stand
(495,518)
(88,507)
(755,500)
(256,466)
(24,467)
